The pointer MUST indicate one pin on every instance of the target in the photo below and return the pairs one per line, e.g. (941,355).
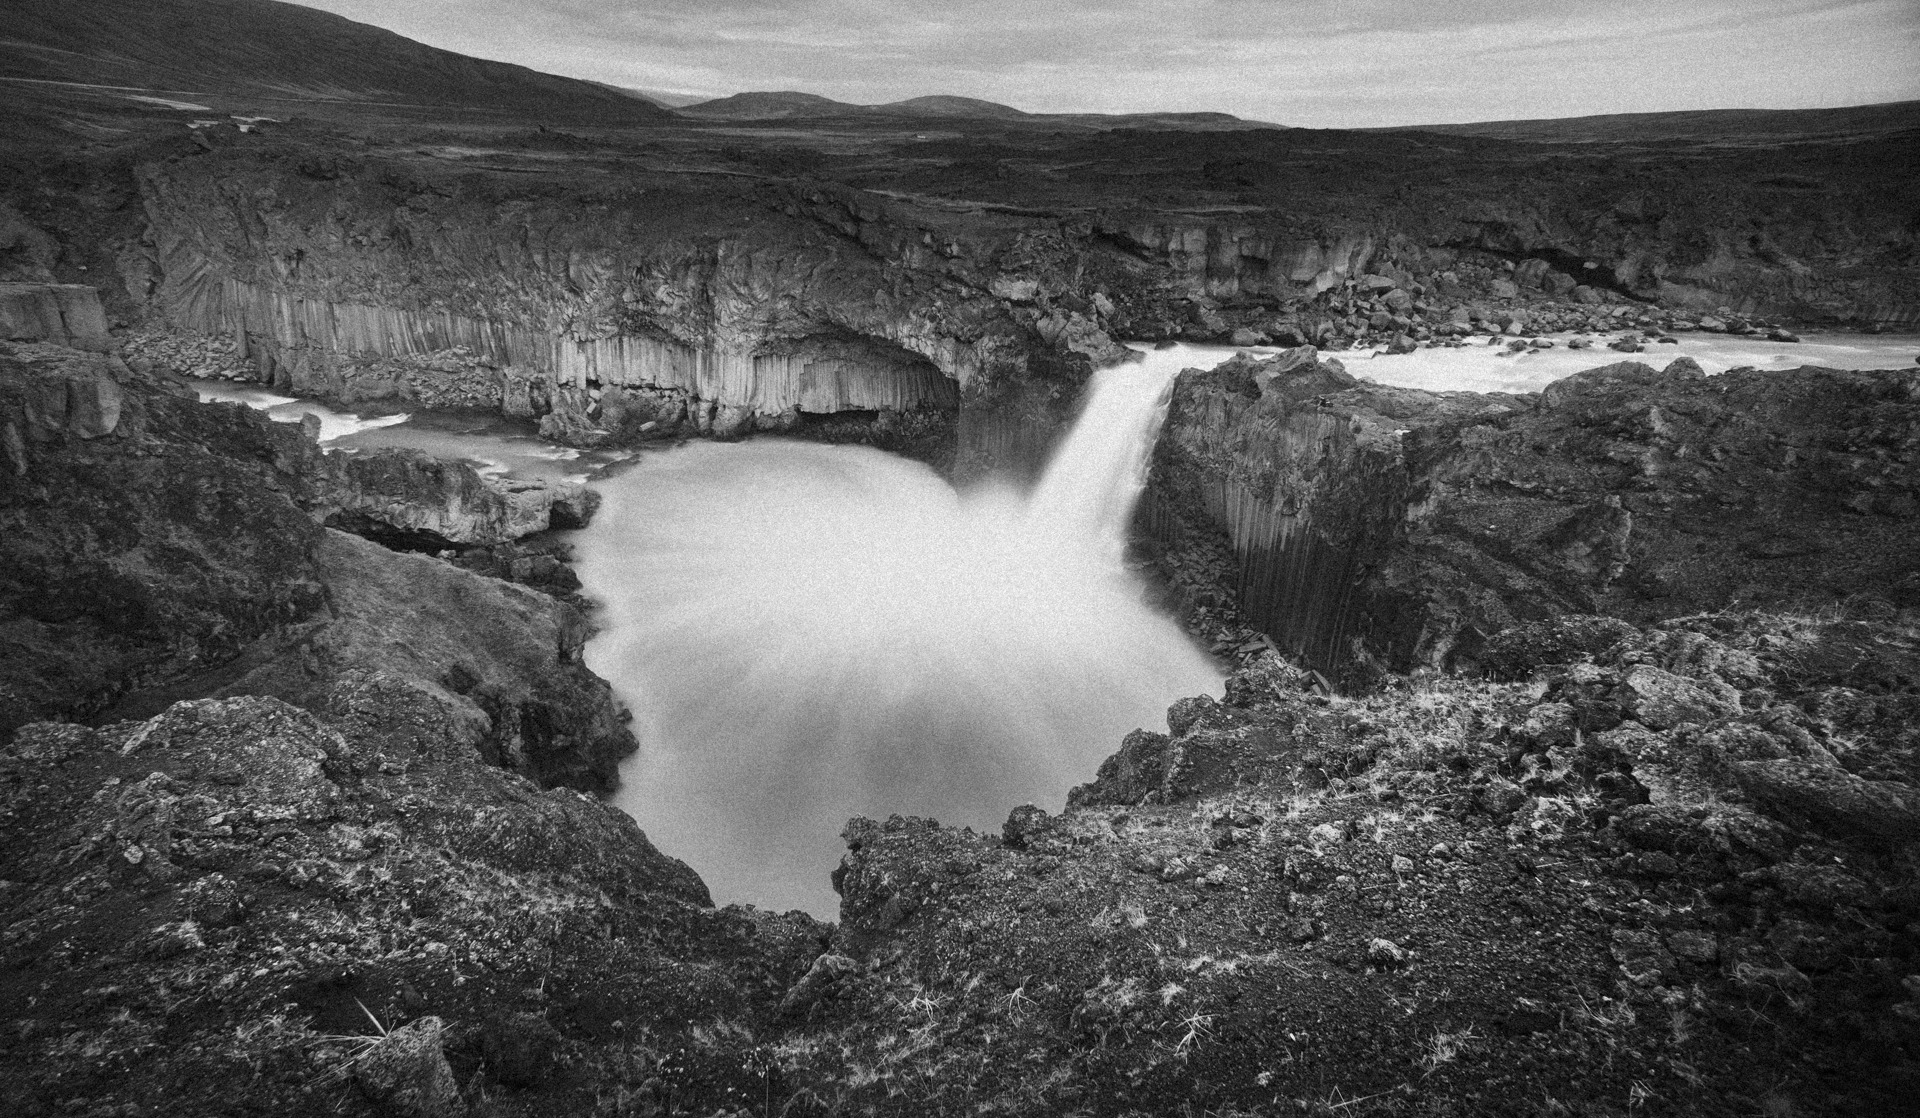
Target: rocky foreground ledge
(286,830)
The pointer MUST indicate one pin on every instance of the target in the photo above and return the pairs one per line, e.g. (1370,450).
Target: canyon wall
(721,309)
(153,548)
(614,290)
(1390,529)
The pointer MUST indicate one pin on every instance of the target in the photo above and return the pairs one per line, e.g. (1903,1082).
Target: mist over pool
(806,633)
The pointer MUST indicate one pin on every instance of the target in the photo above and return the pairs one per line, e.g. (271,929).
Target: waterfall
(809,632)
(1089,490)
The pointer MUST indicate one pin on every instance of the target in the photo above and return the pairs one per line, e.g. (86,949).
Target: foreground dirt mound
(234,906)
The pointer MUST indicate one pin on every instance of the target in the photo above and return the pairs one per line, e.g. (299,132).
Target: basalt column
(1308,492)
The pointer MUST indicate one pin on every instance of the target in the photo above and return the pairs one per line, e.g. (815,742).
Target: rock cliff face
(1388,528)
(62,314)
(155,548)
(651,310)
(618,287)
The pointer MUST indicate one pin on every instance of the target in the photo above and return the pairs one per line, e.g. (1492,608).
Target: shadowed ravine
(807,633)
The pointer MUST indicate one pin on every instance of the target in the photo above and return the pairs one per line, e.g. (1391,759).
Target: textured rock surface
(174,553)
(63,314)
(253,894)
(405,498)
(1440,900)
(1382,526)
(814,301)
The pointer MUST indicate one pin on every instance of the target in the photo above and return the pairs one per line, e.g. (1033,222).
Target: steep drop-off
(154,548)
(1387,528)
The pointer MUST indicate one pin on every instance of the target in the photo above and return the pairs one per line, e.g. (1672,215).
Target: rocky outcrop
(407,499)
(356,283)
(1387,528)
(63,314)
(1301,897)
(356,909)
(165,549)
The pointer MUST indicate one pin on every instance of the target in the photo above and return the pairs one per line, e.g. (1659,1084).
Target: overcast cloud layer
(1315,63)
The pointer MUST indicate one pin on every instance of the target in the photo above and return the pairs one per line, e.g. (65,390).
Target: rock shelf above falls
(319,346)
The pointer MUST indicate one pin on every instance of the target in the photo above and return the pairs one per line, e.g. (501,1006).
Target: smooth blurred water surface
(806,633)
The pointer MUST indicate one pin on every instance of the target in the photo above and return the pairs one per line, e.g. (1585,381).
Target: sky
(1309,63)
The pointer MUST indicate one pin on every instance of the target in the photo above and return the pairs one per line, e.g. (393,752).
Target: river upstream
(808,632)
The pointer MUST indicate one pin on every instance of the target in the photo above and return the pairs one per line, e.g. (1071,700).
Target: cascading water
(1086,497)
(807,633)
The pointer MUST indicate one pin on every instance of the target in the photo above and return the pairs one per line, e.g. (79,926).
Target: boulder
(408,499)
(1531,272)
(732,421)
(1014,290)
(1831,795)
(407,1074)
(73,397)
(67,314)
(1661,700)
(822,980)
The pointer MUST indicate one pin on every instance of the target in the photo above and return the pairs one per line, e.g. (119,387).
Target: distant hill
(790,105)
(938,105)
(1704,125)
(782,105)
(272,50)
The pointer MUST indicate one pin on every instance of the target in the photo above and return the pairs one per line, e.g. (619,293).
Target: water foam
(807,633)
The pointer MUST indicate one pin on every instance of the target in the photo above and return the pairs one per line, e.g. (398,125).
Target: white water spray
(807,633)
(1087,495)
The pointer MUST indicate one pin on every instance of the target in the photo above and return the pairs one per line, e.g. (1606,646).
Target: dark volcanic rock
(407,499)
(1379,525)
(311,807)
(64,314)
(137,555)
(166,555)
(407,919)
(1446,884)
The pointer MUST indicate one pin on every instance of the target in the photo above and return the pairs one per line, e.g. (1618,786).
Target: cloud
(1325,63)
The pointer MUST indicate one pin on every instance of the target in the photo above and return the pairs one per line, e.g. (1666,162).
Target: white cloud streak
(1320,63)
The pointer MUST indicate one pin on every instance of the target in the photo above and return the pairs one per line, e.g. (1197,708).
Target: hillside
(270,51)
(1705,125)
(790,105)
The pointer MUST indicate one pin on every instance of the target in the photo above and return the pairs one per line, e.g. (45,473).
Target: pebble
(1325,833)
(1386,953)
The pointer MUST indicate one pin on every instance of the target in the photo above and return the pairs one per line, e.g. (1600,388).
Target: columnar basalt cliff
(648,309)
(1384,528)
(619,290)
